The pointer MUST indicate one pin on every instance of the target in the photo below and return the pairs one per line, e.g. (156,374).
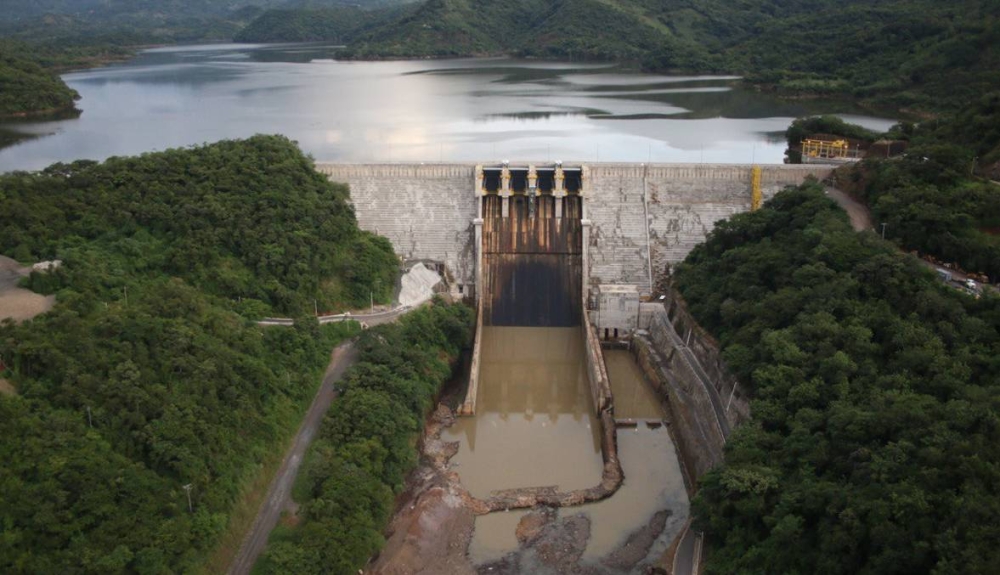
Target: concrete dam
(635,219)
(561,261)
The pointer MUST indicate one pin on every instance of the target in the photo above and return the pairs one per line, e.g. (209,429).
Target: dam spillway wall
(532,261)
(642,217)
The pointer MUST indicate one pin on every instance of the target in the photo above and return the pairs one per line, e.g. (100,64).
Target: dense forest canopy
(28,88)
(250,221)
(144,378)
(874,445)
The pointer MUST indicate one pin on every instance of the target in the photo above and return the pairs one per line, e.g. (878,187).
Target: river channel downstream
(535,426)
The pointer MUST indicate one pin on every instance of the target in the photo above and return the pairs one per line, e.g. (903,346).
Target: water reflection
(534,424)
(451,110)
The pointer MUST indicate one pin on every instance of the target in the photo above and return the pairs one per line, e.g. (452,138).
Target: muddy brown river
(534,423)
(535,427)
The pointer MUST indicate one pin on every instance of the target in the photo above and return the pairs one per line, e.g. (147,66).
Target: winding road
(861,220)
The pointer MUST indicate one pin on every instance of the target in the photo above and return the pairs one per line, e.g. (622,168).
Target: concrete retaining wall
(705,402)
(597,372)
(468,406)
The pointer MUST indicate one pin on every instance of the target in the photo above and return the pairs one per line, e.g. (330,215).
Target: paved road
(279,493)
(861,218)
(687,557)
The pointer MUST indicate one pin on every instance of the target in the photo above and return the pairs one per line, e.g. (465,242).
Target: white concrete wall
(683,202)
(427,211)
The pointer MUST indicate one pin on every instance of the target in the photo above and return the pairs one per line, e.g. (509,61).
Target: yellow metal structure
(756,198)
(825,148)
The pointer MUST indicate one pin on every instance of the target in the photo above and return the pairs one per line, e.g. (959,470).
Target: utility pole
(316,308)
(883,229)
(90,420)
(188,489)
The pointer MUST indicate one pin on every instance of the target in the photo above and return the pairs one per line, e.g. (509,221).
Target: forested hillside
(874,447)
(26,88)
(144,378)
(249,221)
(336,24)
(904,53)
(900,53)
(930,198)
(83,25)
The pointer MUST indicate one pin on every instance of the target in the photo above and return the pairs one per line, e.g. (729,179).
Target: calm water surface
(430,110)
(534,424)
(653,478)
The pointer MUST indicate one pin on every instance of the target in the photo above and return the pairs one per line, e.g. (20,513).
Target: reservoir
(423,111)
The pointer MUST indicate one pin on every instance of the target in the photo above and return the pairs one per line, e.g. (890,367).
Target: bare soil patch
(7,388)
(18,303)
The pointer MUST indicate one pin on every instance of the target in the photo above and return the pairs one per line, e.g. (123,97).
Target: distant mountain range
(21,10)
(901,54)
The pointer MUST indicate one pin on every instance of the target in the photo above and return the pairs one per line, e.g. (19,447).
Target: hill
(901,53)
(147,376)
(26,88)
(334,24)
(873,446)
(88,23)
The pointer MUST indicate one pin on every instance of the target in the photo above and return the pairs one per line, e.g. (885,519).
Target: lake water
(427,110)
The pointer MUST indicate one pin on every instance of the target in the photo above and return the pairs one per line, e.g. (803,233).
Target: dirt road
(279,494)
(861,219)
